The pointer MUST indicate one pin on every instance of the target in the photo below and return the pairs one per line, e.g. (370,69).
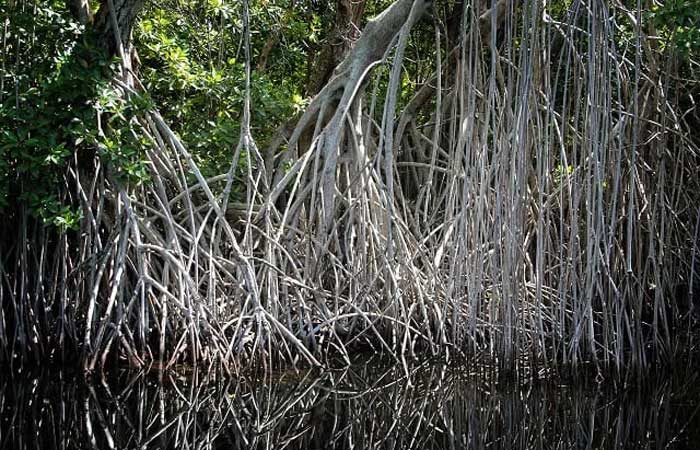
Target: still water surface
(369,406)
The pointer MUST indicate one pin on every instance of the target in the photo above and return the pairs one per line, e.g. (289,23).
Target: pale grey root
(536,201)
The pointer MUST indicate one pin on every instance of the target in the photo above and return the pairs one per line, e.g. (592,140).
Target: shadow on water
(367,406)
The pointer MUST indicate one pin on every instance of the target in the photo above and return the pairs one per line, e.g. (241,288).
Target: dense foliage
(59,108)
(680,20)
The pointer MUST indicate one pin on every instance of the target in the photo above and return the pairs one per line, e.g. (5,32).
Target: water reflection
(359,408)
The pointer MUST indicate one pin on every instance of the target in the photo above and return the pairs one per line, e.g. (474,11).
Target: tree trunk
(345,32)
(81,11)
(114,23)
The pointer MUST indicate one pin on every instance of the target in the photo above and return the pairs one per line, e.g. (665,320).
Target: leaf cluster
(58,109)
(680,20)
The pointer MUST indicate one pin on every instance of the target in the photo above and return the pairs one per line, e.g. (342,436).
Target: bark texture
(80,9)
(114,23)
(345,32)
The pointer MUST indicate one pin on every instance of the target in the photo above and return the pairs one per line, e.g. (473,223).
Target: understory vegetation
(245,183)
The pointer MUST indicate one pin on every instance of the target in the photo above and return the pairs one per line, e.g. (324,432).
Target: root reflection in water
(367,406)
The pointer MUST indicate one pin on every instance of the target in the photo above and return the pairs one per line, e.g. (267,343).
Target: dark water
(366,407)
